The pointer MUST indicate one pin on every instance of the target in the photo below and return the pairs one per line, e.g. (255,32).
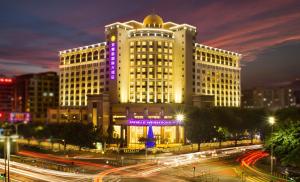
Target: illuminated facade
(6,94)
(35,93)
(147,70)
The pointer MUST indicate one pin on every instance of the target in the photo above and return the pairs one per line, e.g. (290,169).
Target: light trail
(249,159)
(44,174)
(62,159)
(161,163)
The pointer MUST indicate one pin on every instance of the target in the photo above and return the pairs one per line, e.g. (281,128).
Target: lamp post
(180,117)
(271,121)
(7,138)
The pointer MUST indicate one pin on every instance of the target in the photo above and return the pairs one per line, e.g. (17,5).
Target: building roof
(153,19)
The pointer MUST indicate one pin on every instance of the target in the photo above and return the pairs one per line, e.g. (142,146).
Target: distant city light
(5,80)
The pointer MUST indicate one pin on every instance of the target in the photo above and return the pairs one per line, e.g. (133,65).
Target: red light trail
(61,159)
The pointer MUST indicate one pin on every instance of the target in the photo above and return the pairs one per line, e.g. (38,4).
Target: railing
(135,148)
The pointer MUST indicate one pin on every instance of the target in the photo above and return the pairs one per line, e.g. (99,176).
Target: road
(253,174)
(212,165)
(208,164)
(24,172)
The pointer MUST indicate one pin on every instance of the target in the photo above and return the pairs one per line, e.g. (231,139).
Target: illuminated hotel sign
(15,117)
(153,122)
(112,57)
(5,80)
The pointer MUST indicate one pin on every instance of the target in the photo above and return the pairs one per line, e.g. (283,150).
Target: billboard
(17,117)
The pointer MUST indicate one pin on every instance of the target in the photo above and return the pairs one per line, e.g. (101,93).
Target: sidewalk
(165,148)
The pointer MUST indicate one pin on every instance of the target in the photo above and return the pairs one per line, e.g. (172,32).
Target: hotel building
(143,75)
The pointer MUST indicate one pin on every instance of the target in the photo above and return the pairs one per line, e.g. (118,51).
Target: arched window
(67,60)
(89,58)
(83,57)
(62,61)
(102,54)
(95,55)
(72,59)
(78,58)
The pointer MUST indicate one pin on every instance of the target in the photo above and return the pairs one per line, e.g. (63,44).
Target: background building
(273,97)
(143,74)
(6,97)
(35,93)
(6,93)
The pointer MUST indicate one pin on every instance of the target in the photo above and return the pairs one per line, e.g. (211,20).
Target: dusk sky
(265,32)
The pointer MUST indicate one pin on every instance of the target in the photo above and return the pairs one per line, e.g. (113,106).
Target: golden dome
(153,20)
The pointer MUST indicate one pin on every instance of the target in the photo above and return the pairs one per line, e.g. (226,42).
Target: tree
(287,115)
(199,126)
(76,133)
(254,121)
(222,134)
(286,144)
(110,131)
(231,119)
(223,122)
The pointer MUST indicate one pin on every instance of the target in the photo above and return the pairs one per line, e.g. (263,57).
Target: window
(77,58)
(89,58)
(83,57)
(72,59)
(95,55)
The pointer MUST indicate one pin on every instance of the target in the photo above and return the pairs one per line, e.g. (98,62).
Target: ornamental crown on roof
(153,20)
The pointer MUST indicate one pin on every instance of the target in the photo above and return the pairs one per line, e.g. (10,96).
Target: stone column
(177,134)
(128,135)
(162,134)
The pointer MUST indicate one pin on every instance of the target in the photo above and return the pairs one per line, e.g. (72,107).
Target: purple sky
(266,32)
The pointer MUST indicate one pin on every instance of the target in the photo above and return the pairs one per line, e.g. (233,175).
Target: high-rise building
(6,94)
(35,93)
(143,73)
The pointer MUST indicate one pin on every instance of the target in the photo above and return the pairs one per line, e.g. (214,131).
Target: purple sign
(15,117)
(113,59)
(153,122)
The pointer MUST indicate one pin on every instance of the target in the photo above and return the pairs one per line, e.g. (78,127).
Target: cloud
(276,64)
(250,28)
(33,32)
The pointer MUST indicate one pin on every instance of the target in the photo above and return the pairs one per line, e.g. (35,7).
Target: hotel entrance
(165,133)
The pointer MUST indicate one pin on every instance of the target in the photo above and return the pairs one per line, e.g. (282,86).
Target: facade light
(179,117)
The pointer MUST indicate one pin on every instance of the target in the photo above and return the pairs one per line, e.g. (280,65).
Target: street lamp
(271,121)
(63,140)
(179,117)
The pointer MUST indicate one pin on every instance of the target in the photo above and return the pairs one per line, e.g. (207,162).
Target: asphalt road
(213,165)
(23,172)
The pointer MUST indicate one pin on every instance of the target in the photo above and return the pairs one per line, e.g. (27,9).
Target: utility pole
(271,121)
(272,153)
(194,170)
(7,139)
